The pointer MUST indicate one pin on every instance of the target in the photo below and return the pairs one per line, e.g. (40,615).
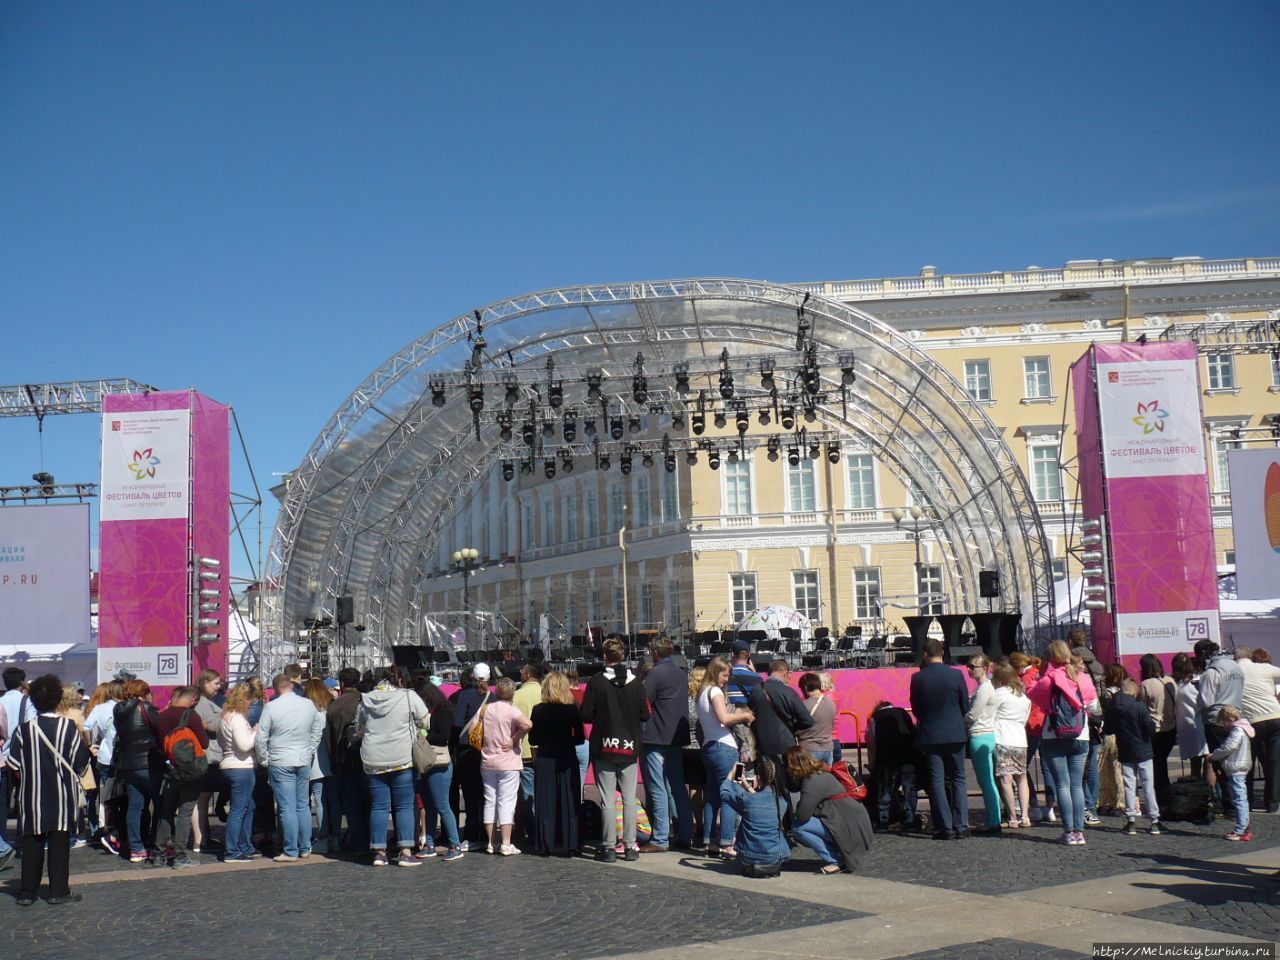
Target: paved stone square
(1015,896)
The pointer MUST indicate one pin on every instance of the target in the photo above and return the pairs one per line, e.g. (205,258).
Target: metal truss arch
(380,481)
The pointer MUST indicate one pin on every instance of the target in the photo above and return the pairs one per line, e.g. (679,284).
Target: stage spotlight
(691,457)
(743,419)
(815,450)
(566,461)
(475,398)
(647,459)
(793,456)
(512,386)
(772,447)
(555,395)
(847,376)
(766,375)
(634,425)
(788,417)
(549,468)
(594,379)
(682,377)
(720,420)
(548,431)
(699,422)
(589,428)
(570,428)
(810,412)
(624,461)
(639,382)
(669,461)
(508,470)
(437,393)
(615,428)
(833,453)
(713,458)
(765,417)
(733,454)
(726,381)
(527,433)
(677,420)
(526,467)
(811,378)
(504,426)
(602,461)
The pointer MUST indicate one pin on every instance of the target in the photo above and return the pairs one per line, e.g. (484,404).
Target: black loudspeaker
(918,627)
(346,610)
(412,658)
(987,627)
(988,584)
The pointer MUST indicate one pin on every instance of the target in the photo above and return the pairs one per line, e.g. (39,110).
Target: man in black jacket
(780,715)
(348,772)
(940,699)
(895,761)
(615,704)
(666,734)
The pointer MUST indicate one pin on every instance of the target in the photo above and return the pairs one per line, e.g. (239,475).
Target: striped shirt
(48,795)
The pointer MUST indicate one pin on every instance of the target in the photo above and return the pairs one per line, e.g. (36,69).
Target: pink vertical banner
(165,491)
(1084,388)
(1148,434)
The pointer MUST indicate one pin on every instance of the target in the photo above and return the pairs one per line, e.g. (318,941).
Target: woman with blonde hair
(719,753)
(237,738)
(695,773)
(1012,710)
(556,732)
(100,727)
(70,706)
(1066,695)
(324,797)
(1029,670)
(503,726)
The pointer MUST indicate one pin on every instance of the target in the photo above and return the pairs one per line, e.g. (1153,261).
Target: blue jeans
(1066,760)
(718,760)
(1046,775)
(353,802)
(822,756)
(663,784)
(813,833)
(583,750)
(391,794)
(1239,800)
(433,788)
(324,793)
(292,789)
(947,786)
(240,812)
(1091,778)
(141,787)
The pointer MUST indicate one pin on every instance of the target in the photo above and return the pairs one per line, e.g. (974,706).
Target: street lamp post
(465,559)
(917,513)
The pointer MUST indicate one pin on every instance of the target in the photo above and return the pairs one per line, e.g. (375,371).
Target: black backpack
(590,822)
(344,751)
(1187,799)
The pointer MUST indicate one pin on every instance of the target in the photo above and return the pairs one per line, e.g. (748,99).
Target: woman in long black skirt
(557,730)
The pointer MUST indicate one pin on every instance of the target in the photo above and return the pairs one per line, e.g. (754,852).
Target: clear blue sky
(265,200)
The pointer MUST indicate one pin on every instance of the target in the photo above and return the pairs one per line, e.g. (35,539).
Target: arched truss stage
(365,510)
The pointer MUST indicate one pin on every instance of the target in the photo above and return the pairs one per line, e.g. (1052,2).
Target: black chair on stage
(791,646)
(842,656)
(821,633)
(873,655)
(817,658)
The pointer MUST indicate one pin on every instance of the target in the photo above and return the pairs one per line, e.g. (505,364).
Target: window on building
(1275,369)
(866,593)
(1222,371)
(804,594)
(617,497)
(593,607)
(528,531)
(591,511)
(569,510)
(742,592)
(1224,441)
(1046,475)
(644,615)
(1229,558)
(548,522)
(802,494)
(670,497)
(642,511)
(929,588)
(618,608)
(977,379)
(1058,566)
(673,603)
(737,488)
(862,481)
(1035,374)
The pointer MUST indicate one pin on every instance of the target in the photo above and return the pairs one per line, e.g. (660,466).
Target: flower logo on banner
(144,464)
(1150,417)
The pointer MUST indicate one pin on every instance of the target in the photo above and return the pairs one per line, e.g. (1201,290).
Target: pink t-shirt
(504,727)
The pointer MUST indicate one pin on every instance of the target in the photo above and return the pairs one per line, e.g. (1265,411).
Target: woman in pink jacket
(500,764)
(1067,696)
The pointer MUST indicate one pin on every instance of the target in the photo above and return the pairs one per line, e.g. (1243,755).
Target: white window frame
(975,372)
(1221,442)
(1058,567)
(547,506)
(744,595)
(569,516)
(1037,384)
(850,459)
(803,468)
(644,604)
(806,593)
(642,500)
(669,501)
(933,586)
(1033,449)
(528,525)
(727,468)
(591,511)
(616,492)
(867,590)
(1221,368)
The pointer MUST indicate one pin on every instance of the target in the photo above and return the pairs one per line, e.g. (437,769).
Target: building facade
(697,548)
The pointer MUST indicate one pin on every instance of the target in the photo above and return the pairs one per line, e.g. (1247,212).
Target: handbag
(468,733)
(421,749)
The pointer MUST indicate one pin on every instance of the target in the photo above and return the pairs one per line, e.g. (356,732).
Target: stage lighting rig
(811,374)
(678,419)
(699,419)
(772,447)
(733,454)
(691,457)
(647,458)
(633,425)
(624,461)
(508,470)
(742,417)
(437,393)
(682,377)
(803,324)
(815,450)
(720,419)
(566,461)
(713,457)
(504,425)
(528,433)
(639,382)
(475,397)
(615,428)
(847,375)
(766,376)
(548,430)
(570,428)
(594,379)
(512,387)
(793,456)
(526,467)
(549,468)
(602,460)
(788,417)
(833,453)
(589,429)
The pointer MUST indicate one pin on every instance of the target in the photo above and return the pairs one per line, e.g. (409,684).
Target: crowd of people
(387,767)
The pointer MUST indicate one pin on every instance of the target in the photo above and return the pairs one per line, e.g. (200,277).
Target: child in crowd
(756,797)
(1129,719)
(1235,759)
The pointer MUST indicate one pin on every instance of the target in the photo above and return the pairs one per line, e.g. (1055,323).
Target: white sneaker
(488,848)
(1050,816)
(509,850)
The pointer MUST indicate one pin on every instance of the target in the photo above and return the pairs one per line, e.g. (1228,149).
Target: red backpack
(182,749)
(854,787)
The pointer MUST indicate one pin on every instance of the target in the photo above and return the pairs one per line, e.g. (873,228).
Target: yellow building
(703,547)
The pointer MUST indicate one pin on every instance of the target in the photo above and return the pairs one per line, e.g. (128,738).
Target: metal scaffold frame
(381,482)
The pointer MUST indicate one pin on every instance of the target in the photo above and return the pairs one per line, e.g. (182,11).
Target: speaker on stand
(989,586)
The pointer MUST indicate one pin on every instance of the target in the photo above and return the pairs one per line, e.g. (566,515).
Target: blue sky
(265,200)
